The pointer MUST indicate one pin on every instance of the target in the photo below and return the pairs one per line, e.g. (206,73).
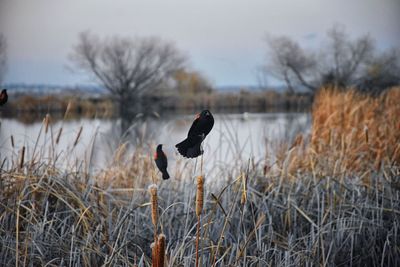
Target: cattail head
(59,135)
(378,159)
(154,257)
(161,250)
(244,191)
(12,141)
(199,195)
(366,133)
(78,136)
(46,123)
(154,204)
(21,160)
(67,110)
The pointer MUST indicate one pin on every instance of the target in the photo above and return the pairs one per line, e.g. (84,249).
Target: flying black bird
(202,125)
(3,97)
(161,161)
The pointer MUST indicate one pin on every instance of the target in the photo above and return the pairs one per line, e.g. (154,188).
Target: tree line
(342,62)
(130,68)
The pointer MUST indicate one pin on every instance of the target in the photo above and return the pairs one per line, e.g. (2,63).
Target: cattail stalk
(201,165)
(199,209)
(155,249)
(154,208)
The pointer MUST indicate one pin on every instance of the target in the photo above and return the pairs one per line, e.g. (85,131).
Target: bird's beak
(197,115)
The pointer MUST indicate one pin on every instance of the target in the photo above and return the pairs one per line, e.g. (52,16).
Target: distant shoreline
(32,108)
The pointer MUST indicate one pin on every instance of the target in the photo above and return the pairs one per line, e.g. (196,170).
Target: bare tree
(382,71)
(345,59)
(291,63)
(127,68)
(3,57)
(341,63)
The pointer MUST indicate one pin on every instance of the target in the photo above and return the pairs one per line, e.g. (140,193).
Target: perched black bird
(202,125)
(161,161)
(3,97)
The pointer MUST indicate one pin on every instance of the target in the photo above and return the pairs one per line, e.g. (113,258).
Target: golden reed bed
(351,133)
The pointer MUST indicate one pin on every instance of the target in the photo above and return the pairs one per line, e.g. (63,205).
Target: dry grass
(364,129)
(351,133)
(313,207)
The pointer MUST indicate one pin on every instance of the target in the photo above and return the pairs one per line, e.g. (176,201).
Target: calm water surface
(234,136)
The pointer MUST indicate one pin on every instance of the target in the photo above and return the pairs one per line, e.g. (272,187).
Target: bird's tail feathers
(194,151)
(165,175)
(190,148)
(183,147)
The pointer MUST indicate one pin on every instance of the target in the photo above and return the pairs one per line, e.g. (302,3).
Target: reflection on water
(233,136)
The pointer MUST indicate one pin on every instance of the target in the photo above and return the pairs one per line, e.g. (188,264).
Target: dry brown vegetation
(356,131)
(312,206)
(351,133)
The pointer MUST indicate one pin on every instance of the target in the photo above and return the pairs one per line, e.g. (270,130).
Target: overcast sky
(224,39)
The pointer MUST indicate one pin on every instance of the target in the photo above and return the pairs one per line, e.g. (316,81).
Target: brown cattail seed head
(366,133)
(154,204)
(78,136)
(59,135)
(161,250)
(244,191)
(12,141)
(199,195)
(154,258)
(21,161)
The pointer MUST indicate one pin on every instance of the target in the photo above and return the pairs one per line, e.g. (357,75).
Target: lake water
(234,136)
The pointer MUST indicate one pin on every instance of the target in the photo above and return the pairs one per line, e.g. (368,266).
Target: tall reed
(154,207)
(199,209)
(158,246)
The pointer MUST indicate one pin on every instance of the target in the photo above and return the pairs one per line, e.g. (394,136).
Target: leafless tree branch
(342,63)
(127,68)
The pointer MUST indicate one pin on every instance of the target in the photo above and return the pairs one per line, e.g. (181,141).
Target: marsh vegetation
(330,196)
